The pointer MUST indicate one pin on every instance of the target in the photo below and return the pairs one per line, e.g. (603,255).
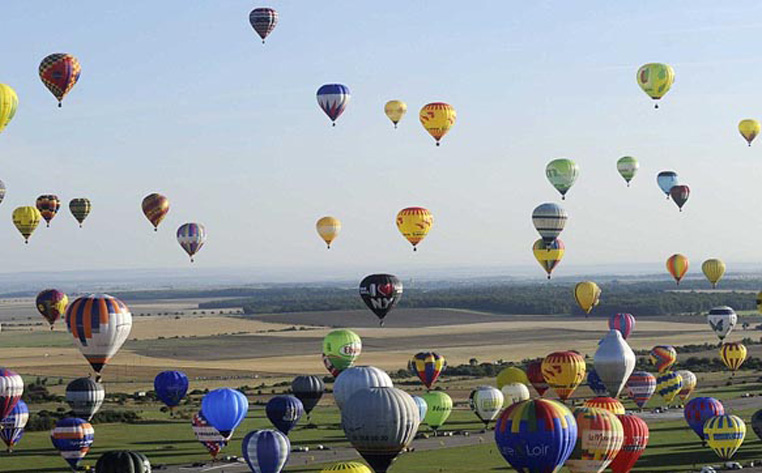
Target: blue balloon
(595,383)
(422,407)
(284,412)
(170,387)
(266,451)
(72,437)
(699,410)
(12,427)
(667,180)
(333,99)
(225,409)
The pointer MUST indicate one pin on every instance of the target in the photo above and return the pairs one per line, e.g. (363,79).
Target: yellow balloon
(347,467)
(437,118)
(395,110)
(328,228)
(9,102)
(26,220)
(512,374)
(414,223)
(587,294)
(656,79)
(563,371)
(713,269)
(725,434)
(733,354)
(548,258)
(759,302)
(749,129)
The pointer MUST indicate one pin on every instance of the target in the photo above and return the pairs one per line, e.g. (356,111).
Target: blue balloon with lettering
(284,412)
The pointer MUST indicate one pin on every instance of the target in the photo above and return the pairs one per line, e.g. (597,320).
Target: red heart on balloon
(386,289)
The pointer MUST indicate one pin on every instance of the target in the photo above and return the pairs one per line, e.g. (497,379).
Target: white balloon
(614,362)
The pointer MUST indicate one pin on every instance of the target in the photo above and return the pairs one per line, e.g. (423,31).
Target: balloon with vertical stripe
(9,102)
(733,354)
(12,426)
(725,434)
(428,366)
(80,209)
(72,437)
(599,439)
(333,100)
(689,384)
(563,371)
(623,322)
(714,270)
(51,304)
(11,389)
(48,205)
(347,467)
(635,441)
(59,72)
(266,451)
(191,237)
(677,265)
(607,404)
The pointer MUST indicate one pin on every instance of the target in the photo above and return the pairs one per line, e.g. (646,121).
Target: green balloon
(439,408)
(341,348)
(627,167)
(562,173)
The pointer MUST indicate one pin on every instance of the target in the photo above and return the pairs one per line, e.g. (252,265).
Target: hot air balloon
(599,439)
(423,408)
(100,324)
(689,384)
(381,292)
(347,467)
(333,99)
(635,442)
(549,220)
(698,410)
(72,437)
(437,118)
(266,451)
(12,426)
(668,384)
(395,110)
(205,433)
(549,258)
(9,102)
(51,303)
(663,357)
(680,194)
(623,322)
(627,167)
(80,209)
(225,409)
(749,129)
(640,387)
(677,265)
(655,79)
(713,269)
(171,387)
(536,436)
(666,181)
(511,374)
(562,173)
(11,389)
(358,378)
(309,390)
(733,354)
(59,72)
(588,295)
(191,237)
(48,206)
(756,423)
(85,397)
(123,461)
(284,412)
(380,423)
(427,366)
(340,350)
(2,191)
(155,208)
(614,362)
(595,383)
(328,228)
(414,223)
(514,392)
(725,434)
(722,320)
(26,220)
(607,404)
(759,301)
(439,409)
(534,373)
(486,402)
(263,20)
(563,371)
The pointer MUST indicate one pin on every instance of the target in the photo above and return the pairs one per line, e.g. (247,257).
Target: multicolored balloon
(749,129)
(668,384)
(263,20)
(100,324)
(12,426)
(640,387)
(414,223)
(437,118)
(85,397)
(677,265)
(623,322)
(714,270)
(72,437)
(205,433)
(341,348)
(428,366)
(725,435)
(266,451)
(663,357)
(588,295)
(395,110)
(284,412)
(680,194)
(666,181)
(722,320)
(59,72)
(225,409)
(26,220)
(48,206)
(439,409)
(733,354)
(689,384)
(381,292)
(356,379)
(80,209)
(655,79)
(191,237)
(698,410)
(599,439)
(627,167)
(328,228)
(562,173)
(11,390)
(534,374)
(171,387)
(606,403)
(155,208)
(635,441)
(486,402)
(536,436)
(549,220)
(51,304)
(551,257)
(563,371)
(333,99)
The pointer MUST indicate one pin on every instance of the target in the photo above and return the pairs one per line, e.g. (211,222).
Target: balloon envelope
(588,295)
(395,110)
(666,181)
(607,404)
(356,379)
(266,451)
(635,441)
(714,270)
(11,389)
(562,173)
(333,100)
(48,206)
(428,366)
(9,103)
(564,371)
(623,322)
(725,434)
(655,79)
(595,383)
(680,194)
(26,220)
(225,409)
(51,304)
(437,119)
(514,392)
(663,357)
(59,72)
(191,237)
(668,384)
(614,362)
(414,223)
(80,209)
(328,228)
(341,348)
(534,374)
(205,433)
(511,374)
(284,412)
(722,320)
(12,426)
(123,461)
(549,256)
(439,408)
(549,220)
(627,167)
(733,354)
(599,439)
(263,20)
(689,384)
(309,390)
(171,387)
(155,208)
(381,292)
(698,410)
(486,402)
(677,265)
(640,387)
(749,129)
(72,437)
(85,397)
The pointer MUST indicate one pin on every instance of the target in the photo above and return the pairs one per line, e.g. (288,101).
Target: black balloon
(756,423)
(123,461)
(309,390)
(381,292)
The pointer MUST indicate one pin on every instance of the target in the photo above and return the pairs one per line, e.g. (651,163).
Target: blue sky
(182,98)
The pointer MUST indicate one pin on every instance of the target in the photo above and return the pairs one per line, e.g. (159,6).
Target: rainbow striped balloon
(725,434)
(641,385)
(623,322)
(663,357)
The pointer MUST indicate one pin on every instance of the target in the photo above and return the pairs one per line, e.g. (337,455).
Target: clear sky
(180,97)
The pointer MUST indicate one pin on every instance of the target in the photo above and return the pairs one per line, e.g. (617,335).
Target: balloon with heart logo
(381,292)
